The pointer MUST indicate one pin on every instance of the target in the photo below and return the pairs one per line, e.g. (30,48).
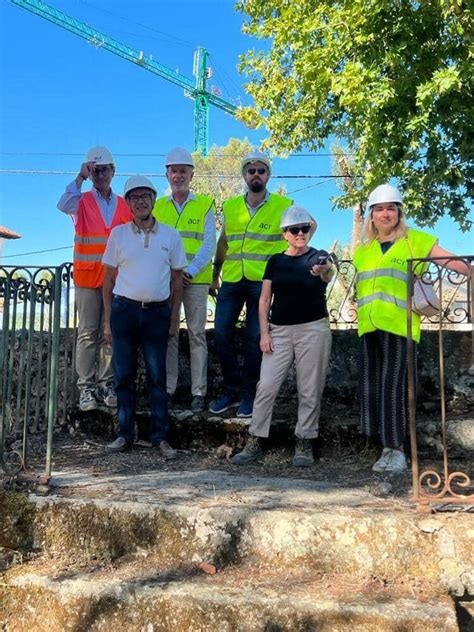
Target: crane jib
(196,90)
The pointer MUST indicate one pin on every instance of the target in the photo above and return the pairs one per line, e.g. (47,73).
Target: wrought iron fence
(36,357)
(434,486)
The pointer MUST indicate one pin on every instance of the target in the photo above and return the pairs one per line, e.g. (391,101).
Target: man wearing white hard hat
(193,216)
(144,263)
(94,214)
(250,236)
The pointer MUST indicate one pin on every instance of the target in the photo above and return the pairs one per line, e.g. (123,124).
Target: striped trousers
(383,368)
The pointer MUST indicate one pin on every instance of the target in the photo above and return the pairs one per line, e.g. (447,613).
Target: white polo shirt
(144,260)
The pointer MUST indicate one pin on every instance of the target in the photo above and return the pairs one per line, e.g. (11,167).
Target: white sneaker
(87,400)
(397,462)
(381,464)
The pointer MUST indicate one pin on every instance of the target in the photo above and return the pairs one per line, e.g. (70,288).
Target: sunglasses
(259,170)
(294,230)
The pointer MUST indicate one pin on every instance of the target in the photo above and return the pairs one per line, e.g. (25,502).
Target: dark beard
(256,187)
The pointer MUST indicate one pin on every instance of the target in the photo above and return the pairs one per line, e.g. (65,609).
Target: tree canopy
(391,79)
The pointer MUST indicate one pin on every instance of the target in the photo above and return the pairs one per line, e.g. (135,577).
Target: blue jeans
(230,300)
(133,327)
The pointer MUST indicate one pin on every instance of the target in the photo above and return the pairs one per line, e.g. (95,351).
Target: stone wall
(341,390)
(340,397)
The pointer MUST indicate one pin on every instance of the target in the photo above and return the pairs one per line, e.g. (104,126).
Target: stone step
(236,600)
(228,519)
(341,429)
(186,425)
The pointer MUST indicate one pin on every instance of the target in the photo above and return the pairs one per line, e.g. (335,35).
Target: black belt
(141,304)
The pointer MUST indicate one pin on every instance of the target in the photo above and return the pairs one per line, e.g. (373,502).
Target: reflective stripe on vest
(252,240)
(382,296)
(383,272)
(79,256)
(81,239)
(91,237)
(250,256)
(382,283)
(190,224)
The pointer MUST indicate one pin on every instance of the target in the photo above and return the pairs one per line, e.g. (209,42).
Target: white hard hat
(383,194)
(137,182)
(296,214)
(179,156)
(100,155)
(256,156)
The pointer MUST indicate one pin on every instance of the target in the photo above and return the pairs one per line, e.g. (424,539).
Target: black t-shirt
(298,296)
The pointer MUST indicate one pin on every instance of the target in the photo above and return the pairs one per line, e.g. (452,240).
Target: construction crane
(196,90)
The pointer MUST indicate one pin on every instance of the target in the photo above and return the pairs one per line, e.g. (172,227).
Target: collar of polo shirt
(136,229)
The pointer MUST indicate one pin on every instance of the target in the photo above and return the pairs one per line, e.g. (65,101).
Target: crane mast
(196,90)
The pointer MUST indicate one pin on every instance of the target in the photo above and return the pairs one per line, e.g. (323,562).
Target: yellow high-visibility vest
(381,283)
(252,240)
(190,224)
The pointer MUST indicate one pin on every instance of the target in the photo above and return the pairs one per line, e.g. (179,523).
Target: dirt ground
(82,452)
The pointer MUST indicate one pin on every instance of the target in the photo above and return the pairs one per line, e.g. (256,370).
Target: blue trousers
(230,301)
(135,327)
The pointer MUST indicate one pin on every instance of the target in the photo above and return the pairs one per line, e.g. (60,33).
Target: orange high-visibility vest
(91,238)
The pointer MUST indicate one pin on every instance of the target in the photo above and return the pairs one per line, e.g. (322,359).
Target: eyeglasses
(295,230)
(144,197)
(253,170)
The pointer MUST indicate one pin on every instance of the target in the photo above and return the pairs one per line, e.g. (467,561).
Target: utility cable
(162,175)
(35,252)
(162,34)
(81,155)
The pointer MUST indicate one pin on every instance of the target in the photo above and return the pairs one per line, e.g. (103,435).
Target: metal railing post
(53,381)
(411,383)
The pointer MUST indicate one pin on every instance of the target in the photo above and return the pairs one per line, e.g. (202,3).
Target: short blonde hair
(370,232)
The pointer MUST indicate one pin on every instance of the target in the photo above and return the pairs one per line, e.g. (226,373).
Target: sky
(61,95)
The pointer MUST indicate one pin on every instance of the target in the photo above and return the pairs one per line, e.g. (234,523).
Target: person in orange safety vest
(94,214)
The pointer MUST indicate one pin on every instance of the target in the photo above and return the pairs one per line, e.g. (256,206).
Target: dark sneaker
(167,451)
(198,404)
(119,445)
(224,402)
(252,452)
(245,407)
(106,395)
(87,401)
(303,453)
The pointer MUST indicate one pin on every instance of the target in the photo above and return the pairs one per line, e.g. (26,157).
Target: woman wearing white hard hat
(381,264)
(294,327)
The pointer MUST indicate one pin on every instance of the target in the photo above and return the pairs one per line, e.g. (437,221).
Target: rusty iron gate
(441,487)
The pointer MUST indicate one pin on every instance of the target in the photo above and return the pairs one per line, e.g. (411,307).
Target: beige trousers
(91,348)
(195,312)
(309,346)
